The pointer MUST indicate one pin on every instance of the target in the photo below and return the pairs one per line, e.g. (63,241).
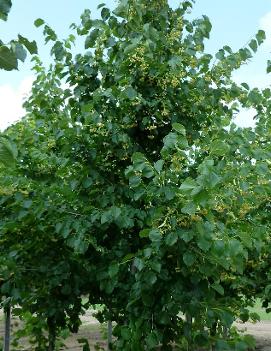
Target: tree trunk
(213,332)
(109,336)
(52,334)
(7,328)
(188,319)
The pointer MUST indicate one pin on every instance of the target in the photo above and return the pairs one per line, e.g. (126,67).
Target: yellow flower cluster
(51,143)
(245,208)
(175,34)
(6,191)
(171,80)
(196,218)
(137,58)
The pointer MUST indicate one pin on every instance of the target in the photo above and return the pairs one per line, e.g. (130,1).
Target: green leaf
(219,288)
(91,38)
(170,141)
(105,13)
(219,147)
(113,270)
(86,20)
(227,318)
(19,51)
(134,181)
(253,45)
(65,231)
(170,192)
(171,238)
(101,5)
(58,51)
(220,55)
(175,62)
(185,235)
(49,34)
(5,6)
(122,9)
(134,44)
(152,341)
(222,345)
(212,180)
(150,32)
(8,59)
(246,86)
(164,318)
(175,141)
(147,171)
(139,161)
(179,128)
(66,289)
(87,182)
(116,212)
(156,266)
(189,259)
(155,235)
(131,93)
(139,263)
(31,46)
(39,22)
(138,193)
(268,69)
(27,203)
(58,227)
(106,217)
(245,54)
(158,166)
(110,42)
(188,185)
(150,277)
(254,316)
(260,36)
(204,244)
(125,333)
(144,233)
(190,208)
(128,257)
(8,152)
(228,49)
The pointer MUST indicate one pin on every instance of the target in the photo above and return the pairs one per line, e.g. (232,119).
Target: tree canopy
(130,183)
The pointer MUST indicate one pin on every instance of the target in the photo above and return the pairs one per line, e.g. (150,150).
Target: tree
(138,170)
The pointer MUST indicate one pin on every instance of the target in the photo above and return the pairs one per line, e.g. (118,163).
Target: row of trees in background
(128,182)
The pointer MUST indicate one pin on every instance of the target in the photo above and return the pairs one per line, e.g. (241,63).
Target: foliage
(8,152)
(134,185)
(16,49)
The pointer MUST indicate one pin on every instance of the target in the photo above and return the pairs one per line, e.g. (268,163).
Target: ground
(261,332)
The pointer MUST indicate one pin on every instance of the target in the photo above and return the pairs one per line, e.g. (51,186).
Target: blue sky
(234,23)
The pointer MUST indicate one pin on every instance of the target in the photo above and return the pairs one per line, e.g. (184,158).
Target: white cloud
(11,101)
(245,119)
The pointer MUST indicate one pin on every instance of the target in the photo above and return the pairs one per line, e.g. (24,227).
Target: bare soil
(261,332)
